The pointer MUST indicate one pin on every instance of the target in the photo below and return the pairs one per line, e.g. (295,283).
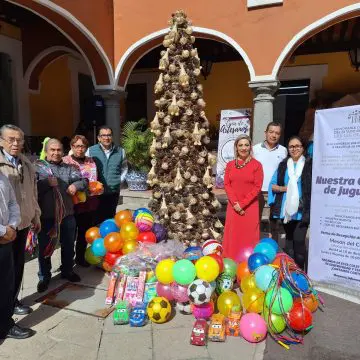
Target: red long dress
(242,186)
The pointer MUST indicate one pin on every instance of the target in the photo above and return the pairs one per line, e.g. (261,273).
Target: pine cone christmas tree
(180,178)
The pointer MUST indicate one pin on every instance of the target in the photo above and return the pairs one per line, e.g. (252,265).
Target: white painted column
(263,106)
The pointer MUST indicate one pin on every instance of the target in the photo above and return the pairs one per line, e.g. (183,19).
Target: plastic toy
(233,324)
(217,328)
(138,315)
(121,313)
(199,333)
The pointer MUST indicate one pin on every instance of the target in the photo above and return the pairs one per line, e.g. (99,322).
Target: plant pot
(136,180)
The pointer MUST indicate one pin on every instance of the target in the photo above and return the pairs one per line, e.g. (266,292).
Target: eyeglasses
(105,135)
(295,147)
(79,146)
(11,140)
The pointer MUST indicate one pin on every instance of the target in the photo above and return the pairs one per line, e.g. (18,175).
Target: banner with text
(232,124)
(334,250)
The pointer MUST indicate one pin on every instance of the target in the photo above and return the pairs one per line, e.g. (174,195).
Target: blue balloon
(266,249)
(270,241)
(98,247)
(265,276)
(107,227)
(300,281)
(193,253)
(139,211)
(256,260)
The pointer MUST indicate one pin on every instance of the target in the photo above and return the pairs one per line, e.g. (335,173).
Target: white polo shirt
(270,160)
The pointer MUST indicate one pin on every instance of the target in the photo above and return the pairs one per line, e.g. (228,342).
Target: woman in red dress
(243,181)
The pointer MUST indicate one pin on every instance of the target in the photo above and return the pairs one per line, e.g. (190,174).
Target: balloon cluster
(120,236)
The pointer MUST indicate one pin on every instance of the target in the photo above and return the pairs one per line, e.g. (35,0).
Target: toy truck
(217,328)
(138,315)
(121,313)
(199,333)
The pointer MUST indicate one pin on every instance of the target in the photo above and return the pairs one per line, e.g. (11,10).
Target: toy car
(199,333)
(138,315)
(233,324)
(217,328)
(121,313)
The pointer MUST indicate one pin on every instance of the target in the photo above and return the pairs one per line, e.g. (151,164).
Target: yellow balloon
(248,283)
(129,231)
(207,268)
(226,301)
(129,246)
(163,271)
(253,301)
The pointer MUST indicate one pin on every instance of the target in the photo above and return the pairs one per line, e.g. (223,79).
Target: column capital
(267,87)
(110,94)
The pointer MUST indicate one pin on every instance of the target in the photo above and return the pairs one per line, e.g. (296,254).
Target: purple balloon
(159,231)
(180,292)
(164,290)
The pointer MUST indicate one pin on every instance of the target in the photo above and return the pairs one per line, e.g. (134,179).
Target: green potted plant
(136,140)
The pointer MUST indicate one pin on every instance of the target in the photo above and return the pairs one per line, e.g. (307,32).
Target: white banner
(232,124)
(334,250)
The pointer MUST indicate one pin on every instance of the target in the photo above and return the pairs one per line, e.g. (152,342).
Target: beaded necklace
(243,164)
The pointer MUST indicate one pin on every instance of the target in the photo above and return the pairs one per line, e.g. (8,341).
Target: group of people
(39,197)
(283,176)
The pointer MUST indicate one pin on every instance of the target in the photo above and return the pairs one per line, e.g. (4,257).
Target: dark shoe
(72,277)
(43,285)
(21,309)
(17,332)
(82,263)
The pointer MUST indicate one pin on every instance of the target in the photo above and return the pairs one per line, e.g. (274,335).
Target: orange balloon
(129,246)
(129,231)
(122,217)
(96,187)
(92,234)
(242,271)
(310,302)
(106,266)
(113,242)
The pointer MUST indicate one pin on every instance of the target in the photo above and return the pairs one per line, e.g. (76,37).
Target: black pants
(7,284)
(19,259)
(107,207)
(84,221)
(295,242)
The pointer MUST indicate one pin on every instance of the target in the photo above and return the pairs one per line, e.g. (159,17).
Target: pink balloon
(253,327)
(164,290)
(203,311)
(244,254)
(179,292)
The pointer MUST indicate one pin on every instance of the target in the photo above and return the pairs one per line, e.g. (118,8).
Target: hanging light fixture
(206,65)
(354,55)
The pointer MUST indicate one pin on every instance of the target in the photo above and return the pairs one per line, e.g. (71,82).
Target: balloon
(265,249)
(253,300)
(129,246)
(282,257)
(110,257)
(299,317)
(253,327)
(248,283)
(224,282)
(309,301)
(271,242)
(230,267)
(184,272)
(140,210)
(92,234)
(98,248)
(276,323)
(244,254)
(122,217)
(179,292)
(207,268)
(265,276)
(144,221)
(226,301)
(164,290)
(279,301)
(147,236)
(219,260)
(159,231)
(91,258)
(113,242)
(129,231)
(164,271)
(300,281)
(203,311)
(96,187)
(242,271)
(256,260)
(106,266)
(107,227)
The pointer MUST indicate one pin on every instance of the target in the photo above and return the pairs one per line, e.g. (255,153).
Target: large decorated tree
(180,176)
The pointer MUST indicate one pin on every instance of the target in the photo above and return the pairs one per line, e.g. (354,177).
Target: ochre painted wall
(51,110)
(10,30)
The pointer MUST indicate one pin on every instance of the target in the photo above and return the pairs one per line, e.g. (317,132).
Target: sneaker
(17,332)
(43,285)
(72,277)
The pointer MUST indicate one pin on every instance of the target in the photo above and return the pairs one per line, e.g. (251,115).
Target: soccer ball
(199,292)
(159,310)
(184,307)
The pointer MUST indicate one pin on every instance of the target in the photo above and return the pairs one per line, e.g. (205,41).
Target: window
(6,90)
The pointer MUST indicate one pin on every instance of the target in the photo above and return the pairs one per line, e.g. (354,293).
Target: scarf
(292,193)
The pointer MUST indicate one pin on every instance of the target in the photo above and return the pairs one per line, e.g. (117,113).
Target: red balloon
(110,258)
(299,317)
(219,260)
(147,236)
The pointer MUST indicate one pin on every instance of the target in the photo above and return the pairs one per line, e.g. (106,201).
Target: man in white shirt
(269,153)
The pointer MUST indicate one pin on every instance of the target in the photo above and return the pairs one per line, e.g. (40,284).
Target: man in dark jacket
(57,183)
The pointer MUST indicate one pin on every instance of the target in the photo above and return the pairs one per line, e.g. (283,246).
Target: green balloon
(276,323)
(230,267)
(184,272)
(279,300)
(91,258)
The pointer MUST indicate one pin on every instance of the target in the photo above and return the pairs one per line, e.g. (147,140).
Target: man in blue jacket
(112,168)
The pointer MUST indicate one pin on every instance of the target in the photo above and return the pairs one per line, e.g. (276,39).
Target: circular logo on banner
(227,151)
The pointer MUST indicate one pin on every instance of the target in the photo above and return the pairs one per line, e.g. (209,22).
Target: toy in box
(138,315)
(217,328)
(199,333)
(233,323)
(121,313)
